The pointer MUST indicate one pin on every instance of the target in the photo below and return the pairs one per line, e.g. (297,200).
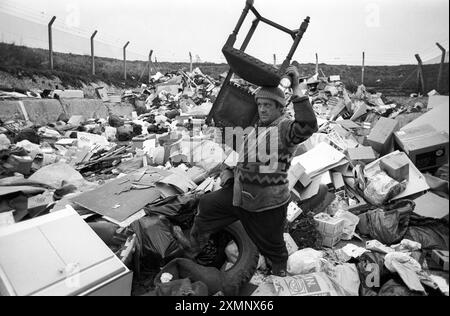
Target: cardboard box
(381,137)
(395,168)
(441,258)
(297,176)
(361,154)
(426,147)
(330,241)
(330,228)
(328,225)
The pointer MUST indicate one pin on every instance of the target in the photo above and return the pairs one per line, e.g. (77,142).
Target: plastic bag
(430,233)
(4,142)
(372,272)
(406,267)
(232,252)
(407,245)
(343,282)
(313,284)
(386,227)
(381,188)
(304,261)
(154,238)
(54,175)
(351,221)
(345,277)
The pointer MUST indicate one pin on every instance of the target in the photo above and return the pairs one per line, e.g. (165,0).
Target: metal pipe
(420,78)
(50,42)
(92,54)
(150,66)
(441,67)
(125,60)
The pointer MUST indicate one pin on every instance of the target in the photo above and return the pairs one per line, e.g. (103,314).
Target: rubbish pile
(369,210)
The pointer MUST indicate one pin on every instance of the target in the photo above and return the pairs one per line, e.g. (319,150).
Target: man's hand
(293,73)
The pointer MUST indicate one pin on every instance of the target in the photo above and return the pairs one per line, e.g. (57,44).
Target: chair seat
(251,69)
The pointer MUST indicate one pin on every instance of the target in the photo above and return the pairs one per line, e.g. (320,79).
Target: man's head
(271,103)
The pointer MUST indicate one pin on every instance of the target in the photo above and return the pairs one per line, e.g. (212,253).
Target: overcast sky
(389,31)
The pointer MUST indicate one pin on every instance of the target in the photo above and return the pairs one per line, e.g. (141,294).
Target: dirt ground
(41,83)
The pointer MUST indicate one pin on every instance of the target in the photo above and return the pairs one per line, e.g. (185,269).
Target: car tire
(247,262)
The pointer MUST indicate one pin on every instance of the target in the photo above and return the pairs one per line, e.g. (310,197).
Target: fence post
(441,68)
(125,61)
(50,42)
(190,61)
(317,63)
(150,66)
(363,67)
(420,78)
(274,60)
(93,53)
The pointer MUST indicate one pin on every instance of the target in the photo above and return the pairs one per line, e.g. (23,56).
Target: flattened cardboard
(321,158)
(117,199)
(431,205)
(437,117)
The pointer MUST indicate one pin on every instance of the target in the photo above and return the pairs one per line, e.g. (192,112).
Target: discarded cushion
(251,69)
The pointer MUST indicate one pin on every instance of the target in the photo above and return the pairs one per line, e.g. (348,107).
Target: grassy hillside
(73,69)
